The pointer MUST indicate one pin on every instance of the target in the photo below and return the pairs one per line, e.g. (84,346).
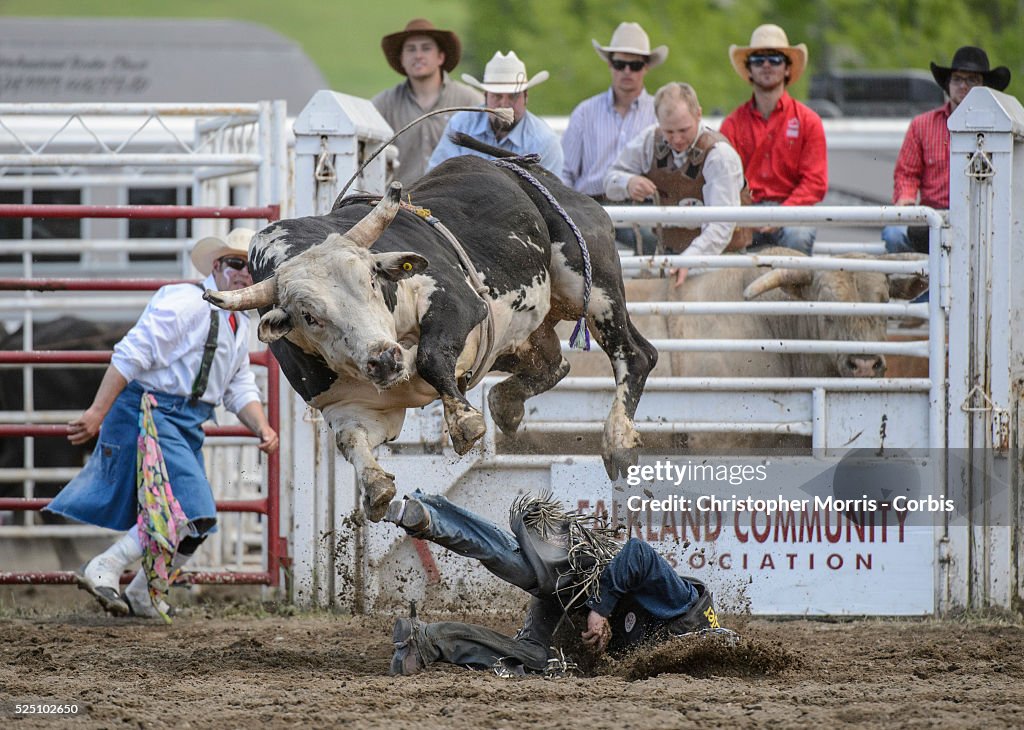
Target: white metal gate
(222,155)
(767,563)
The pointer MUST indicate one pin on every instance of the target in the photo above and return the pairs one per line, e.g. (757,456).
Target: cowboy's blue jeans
(471,536)
(468,534)
(798,238)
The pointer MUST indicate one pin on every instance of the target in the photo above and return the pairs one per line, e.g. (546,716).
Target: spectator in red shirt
(922,168)
(781,141)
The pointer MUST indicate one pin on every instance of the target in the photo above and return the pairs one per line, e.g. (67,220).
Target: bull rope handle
(580,337)
(503,115)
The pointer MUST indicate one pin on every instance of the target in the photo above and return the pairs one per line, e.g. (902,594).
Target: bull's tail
(464,140)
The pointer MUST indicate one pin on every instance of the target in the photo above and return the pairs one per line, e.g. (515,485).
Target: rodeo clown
(578,574)
(146,475)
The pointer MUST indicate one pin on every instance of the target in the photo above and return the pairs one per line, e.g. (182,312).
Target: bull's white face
(330,301)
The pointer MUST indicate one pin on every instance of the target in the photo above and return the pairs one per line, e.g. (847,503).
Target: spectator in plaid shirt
(922,168)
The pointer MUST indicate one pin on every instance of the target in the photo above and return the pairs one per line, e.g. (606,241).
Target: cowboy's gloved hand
(598,633)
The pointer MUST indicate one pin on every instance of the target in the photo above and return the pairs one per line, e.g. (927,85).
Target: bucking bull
(370,310)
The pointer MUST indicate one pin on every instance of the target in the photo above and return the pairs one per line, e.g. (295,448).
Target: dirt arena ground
(254,666)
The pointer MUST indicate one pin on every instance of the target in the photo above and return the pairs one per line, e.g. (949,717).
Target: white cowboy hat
(505,74)
(209,249)
(769,37)
(631,38)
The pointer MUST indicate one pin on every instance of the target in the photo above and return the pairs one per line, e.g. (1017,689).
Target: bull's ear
(398,266)
(906,286)
(274,325)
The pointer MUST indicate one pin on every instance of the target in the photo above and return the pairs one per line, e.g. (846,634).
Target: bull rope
(580,337)
(477,369)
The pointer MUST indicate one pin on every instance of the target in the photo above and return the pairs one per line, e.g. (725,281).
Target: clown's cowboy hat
(631,38)
(505,74)
(446,40)
(211,248)
(769,37)
(972,60)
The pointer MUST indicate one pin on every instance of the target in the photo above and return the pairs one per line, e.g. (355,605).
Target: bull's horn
(775,279)
(251,297)
(368,230)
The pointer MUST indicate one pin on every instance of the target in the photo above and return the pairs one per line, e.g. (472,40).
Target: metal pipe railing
(138,212)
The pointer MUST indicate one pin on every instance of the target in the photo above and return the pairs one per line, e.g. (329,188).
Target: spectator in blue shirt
(625,594)
(600,127)
(505,85)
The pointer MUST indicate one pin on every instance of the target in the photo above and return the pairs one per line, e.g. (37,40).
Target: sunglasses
(775,59)
(968,81)
(233,262)
(635,66)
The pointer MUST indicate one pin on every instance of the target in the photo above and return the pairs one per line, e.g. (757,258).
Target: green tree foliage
(840,34)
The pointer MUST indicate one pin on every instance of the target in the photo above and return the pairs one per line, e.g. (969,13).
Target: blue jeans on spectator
(897,240)
(798,238)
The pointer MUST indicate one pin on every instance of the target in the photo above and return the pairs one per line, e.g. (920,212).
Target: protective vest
(687,183)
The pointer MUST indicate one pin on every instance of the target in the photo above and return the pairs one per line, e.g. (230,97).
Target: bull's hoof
(620,447)
(506,410)
(378,491)
(618,461)
(465,428)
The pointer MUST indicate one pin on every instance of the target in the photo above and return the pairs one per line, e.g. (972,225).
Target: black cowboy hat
(447,41)
(974,60)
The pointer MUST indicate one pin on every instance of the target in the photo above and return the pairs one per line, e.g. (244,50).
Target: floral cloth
(162,523)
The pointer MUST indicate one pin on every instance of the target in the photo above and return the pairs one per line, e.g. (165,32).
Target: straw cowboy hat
(631,38)
(209,249)
(505,74)
(769,37)
(446,40)
(972,60)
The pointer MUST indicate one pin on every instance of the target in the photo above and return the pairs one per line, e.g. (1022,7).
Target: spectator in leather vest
(680,161)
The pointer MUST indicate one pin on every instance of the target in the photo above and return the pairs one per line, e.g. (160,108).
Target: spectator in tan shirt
(424,55)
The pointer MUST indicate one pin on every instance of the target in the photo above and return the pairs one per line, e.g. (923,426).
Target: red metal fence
(268,505)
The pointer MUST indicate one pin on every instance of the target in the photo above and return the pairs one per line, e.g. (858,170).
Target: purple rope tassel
(580,337)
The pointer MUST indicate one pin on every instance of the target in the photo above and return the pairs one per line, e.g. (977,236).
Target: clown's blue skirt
(105,492)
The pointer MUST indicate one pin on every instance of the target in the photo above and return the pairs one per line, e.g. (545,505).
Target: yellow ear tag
(407,266)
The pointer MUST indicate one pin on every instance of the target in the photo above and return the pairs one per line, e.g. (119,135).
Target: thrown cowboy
(613,596)
(190,356)
(505,85)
